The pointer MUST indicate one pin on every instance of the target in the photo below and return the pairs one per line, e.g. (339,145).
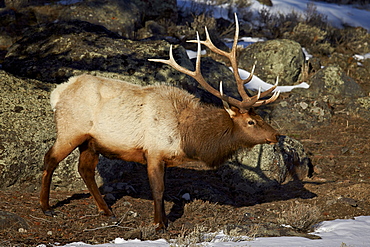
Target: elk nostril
(268,142)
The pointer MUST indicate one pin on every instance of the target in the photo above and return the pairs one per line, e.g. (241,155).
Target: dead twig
(89,215)
(117,224)
(37,218)
(109,226)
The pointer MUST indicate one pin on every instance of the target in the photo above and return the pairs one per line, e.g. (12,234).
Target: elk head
(248,125)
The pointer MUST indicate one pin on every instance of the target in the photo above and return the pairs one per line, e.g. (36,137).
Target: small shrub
(203,20)
(275,25)
(300,216)
(310,37)
(314,18)
(148,231)
(198,234)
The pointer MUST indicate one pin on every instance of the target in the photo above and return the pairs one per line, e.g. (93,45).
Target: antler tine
(271,99)
(251,74)
(268,91)
(197,74)
(209,44)
(173,63)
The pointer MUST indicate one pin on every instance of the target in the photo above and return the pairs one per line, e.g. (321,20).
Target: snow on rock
(256,83)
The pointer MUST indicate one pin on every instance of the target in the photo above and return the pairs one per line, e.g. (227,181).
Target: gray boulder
(299,113)
(280,57)
(330,90)
(334,85)
(27,131)
(122,17)
(251,170)
(12,221)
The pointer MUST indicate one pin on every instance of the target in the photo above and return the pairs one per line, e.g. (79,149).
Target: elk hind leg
(86,167)
(59,151)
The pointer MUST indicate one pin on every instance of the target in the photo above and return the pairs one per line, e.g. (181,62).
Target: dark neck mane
(208,135)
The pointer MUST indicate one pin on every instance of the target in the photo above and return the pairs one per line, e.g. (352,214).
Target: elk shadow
(122,178)
(76,196)
(199,182)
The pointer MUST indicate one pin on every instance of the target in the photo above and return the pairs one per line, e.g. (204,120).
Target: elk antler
(247,102)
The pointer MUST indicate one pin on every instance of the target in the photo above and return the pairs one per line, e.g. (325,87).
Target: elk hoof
(161,228)
(113,219)
(50,213)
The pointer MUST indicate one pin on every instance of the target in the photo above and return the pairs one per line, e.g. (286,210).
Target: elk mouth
(269,141)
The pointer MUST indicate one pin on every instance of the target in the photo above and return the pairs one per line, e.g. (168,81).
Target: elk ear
(233,111)
(252,112)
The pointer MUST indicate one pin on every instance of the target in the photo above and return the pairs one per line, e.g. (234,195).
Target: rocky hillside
(43,43)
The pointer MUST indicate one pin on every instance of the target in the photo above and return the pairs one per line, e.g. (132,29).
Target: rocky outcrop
(275,58)
(330,90)
(332,83)
(55,52)
(298,113)
(122,17)
(26,130)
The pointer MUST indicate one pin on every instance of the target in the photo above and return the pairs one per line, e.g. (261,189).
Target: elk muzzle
(273,140)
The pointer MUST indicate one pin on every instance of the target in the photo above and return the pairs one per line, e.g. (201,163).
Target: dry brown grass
(300,216)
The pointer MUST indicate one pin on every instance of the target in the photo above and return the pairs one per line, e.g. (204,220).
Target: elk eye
(251,122)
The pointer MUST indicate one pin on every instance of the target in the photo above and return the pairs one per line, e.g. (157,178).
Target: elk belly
(127,154)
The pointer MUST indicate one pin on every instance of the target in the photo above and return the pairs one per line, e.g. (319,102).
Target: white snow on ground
(351,232)
(338,15)
(362,57)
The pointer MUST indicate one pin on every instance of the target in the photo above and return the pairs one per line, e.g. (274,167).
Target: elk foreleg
(156,170)
(86,167)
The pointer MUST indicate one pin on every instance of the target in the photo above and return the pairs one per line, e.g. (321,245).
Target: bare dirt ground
(339,188)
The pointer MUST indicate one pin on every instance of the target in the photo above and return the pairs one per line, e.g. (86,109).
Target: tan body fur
(155,125)
(119,116)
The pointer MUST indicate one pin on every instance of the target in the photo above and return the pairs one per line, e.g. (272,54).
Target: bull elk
(157,125)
